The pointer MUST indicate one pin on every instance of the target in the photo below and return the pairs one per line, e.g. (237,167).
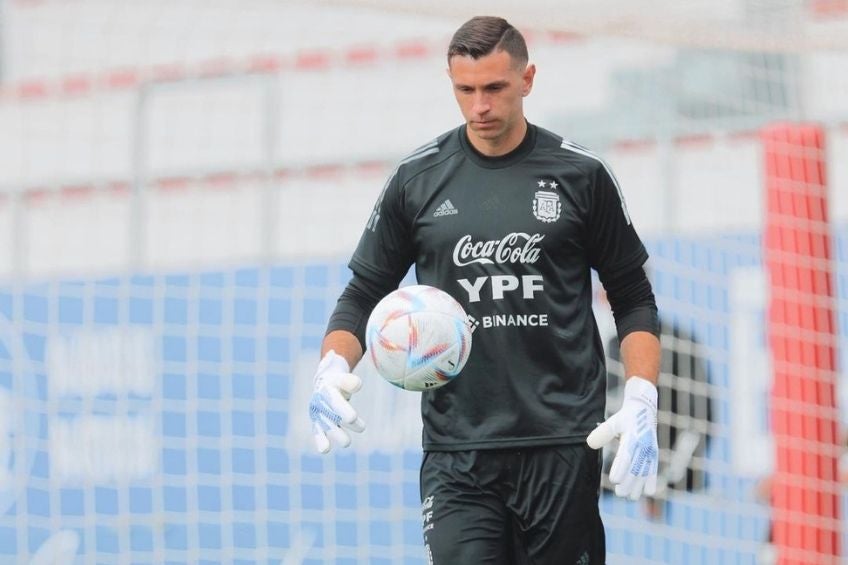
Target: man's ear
(527,78)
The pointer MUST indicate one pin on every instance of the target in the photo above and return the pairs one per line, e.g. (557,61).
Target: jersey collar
(501,161)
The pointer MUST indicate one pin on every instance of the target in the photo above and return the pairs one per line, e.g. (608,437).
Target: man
(507,475)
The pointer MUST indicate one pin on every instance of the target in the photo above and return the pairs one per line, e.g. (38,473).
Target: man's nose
(481,104)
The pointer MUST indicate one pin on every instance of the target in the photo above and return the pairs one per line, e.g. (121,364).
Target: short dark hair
(483,35)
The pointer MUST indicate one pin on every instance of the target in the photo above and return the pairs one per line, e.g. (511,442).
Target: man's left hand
(634,469)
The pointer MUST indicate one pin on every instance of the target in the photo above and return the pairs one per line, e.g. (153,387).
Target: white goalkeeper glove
(634,469)
(329,409)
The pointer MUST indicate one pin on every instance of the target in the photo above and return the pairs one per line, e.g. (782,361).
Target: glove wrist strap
(332,361)
(640,388)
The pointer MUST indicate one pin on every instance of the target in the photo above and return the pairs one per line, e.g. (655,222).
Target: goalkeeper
(511,468)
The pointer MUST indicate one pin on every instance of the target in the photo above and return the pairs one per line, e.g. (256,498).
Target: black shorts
(527,506)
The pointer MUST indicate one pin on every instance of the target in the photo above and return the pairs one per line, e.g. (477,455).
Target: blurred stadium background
(182,182)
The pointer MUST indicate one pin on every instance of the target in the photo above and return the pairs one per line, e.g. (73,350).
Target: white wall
(214,155)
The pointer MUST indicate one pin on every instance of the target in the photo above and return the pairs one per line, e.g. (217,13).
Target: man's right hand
(329,407)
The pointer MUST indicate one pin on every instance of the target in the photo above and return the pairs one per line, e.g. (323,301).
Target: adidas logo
(446,209)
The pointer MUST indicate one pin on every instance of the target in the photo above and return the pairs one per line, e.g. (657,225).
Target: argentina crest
(546,204)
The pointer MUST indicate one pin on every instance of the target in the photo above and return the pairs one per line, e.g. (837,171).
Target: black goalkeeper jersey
(513,239)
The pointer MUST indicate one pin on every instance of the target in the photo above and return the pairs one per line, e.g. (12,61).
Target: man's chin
(487,134)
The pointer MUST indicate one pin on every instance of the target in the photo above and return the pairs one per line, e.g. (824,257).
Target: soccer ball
(418,337)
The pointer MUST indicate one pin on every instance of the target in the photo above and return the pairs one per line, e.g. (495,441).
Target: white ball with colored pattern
(418,338)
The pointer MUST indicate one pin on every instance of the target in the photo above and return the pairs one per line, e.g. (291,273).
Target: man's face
(490,92)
